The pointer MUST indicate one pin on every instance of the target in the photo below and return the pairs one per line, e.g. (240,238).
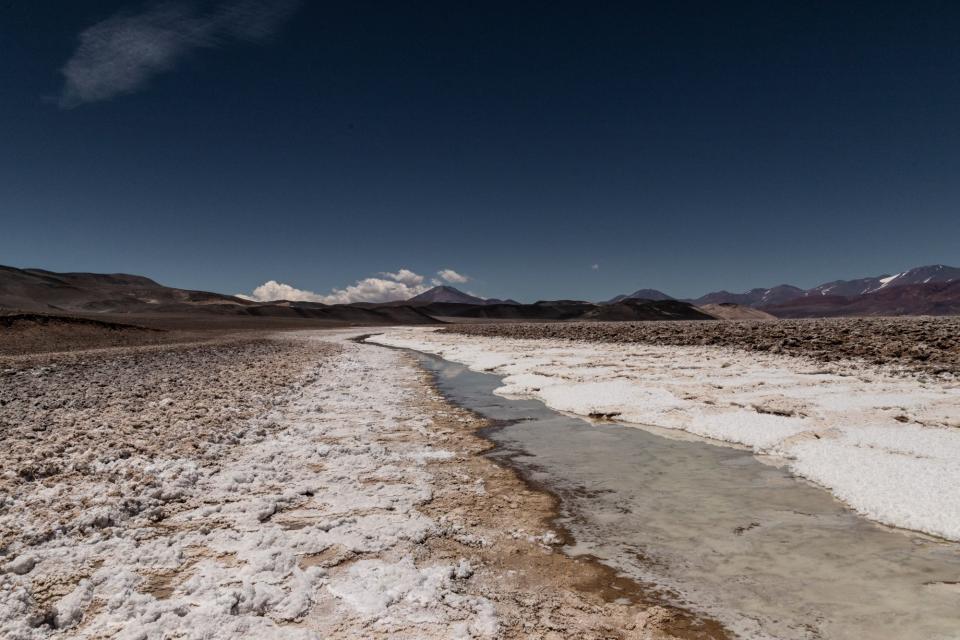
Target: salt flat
(286,487)
(242,552)
(886,444)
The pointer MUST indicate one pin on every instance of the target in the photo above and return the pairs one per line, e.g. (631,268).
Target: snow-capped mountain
(861,286)
(931,274)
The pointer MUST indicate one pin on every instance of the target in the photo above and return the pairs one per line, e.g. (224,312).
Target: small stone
(22,565)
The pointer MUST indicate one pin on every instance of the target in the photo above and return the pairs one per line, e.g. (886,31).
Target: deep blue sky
(683,146)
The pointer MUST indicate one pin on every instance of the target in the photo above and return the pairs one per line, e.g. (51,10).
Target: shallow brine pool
(719,531)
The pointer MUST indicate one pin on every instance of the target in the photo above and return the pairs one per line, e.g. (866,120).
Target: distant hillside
(40,290)
(754,298)
(731,311)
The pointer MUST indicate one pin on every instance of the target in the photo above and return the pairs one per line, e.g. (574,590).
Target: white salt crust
(233,561)
(888,446)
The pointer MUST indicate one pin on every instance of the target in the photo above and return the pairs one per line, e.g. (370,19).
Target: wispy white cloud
(449,275)
(121,54)
(384,287)
(595,267)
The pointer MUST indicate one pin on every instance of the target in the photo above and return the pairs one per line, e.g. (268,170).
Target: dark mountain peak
(445,293)
(641,294)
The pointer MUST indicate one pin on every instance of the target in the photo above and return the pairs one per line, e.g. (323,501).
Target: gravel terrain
(23,334)
(923,345)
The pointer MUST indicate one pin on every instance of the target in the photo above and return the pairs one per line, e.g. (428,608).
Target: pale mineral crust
(922,345)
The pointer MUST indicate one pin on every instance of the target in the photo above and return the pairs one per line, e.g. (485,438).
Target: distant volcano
(642,294)
(444,293)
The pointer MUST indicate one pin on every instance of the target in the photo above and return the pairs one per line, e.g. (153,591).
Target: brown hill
(40,290)
(732,311)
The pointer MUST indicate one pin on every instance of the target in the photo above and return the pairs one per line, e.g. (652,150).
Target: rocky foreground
(921,345)
(304,487)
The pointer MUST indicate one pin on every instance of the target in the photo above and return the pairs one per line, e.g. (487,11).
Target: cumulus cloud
(405,276)
(376,290)
(449,275)
(385,287)
(273,290)
(122,53)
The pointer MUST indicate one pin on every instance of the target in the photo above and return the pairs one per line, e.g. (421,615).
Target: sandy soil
(285,487)
(922,345)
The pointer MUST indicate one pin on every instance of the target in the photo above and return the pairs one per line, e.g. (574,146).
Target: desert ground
(201,483)
(211,482)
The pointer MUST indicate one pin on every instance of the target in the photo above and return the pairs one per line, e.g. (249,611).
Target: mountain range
(136,297)
(929,290)
(911,292)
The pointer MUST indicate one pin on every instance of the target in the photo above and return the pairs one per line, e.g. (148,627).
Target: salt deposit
(256,530)
(888,445)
